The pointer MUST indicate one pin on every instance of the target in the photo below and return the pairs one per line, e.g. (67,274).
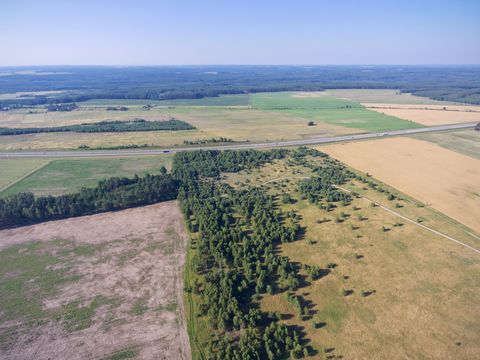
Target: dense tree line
(106,126)
(110,194)
(236,258)
(191,164)
(453,83)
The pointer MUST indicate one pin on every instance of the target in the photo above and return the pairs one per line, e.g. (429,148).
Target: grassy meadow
(12,170)
(322,108)
(69,175)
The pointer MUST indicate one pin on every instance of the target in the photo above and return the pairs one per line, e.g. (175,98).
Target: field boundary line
(180,283)
(9,185)
(191,316)
(413,221)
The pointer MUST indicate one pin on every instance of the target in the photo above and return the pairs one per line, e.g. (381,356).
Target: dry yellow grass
(430,114)
(424,304)
(444,179)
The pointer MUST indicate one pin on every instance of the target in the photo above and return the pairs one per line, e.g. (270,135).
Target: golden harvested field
(430,114)
(445,180)
(106,286)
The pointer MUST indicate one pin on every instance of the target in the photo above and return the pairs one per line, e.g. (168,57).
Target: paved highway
(312,141)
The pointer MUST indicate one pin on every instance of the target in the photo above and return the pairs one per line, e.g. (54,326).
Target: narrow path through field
(390,211)
(413,221)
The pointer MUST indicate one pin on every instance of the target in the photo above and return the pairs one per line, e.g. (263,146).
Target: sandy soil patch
(444,179)
(430,114)
(130,264)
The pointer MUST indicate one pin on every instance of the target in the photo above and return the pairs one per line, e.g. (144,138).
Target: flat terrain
(444,179)
(466,142)
(69,175)
(11,170)
(239,124)
(419,289)
(431,115)
(253,117)
(106,286)
(383,96)
(322,108)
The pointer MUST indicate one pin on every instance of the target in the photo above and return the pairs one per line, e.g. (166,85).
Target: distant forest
(105,126)
(452,83)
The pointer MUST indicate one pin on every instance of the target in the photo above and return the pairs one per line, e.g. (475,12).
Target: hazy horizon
(189,33)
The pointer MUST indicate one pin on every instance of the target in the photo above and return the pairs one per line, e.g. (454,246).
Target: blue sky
(145,32)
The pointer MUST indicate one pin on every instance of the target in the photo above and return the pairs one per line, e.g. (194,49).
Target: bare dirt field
(445,180)
(430,114)
(106,286)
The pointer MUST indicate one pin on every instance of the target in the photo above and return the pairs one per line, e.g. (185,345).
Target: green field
(299,100)
(63,176)
(11,170)
(327,109)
